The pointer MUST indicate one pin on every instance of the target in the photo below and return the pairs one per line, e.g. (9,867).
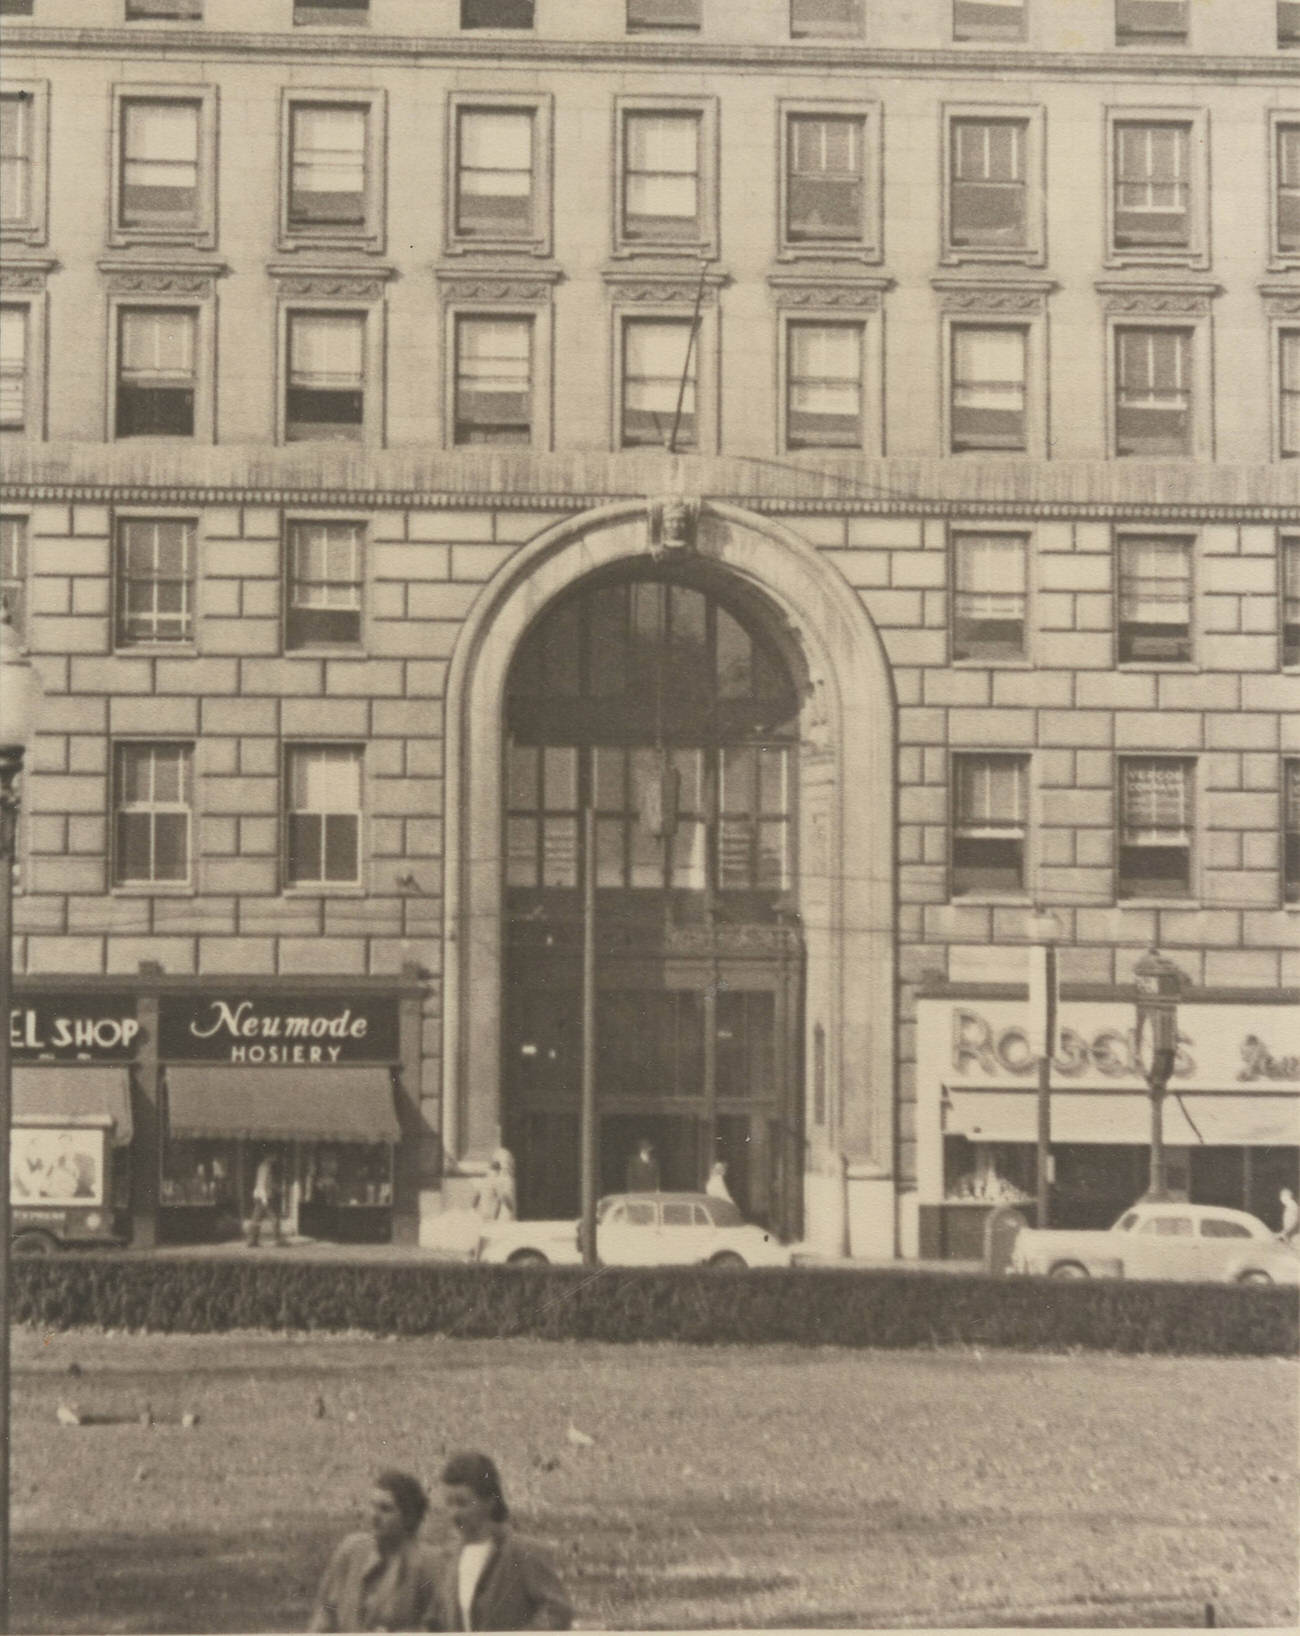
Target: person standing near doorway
(643,1168)
(266,1201)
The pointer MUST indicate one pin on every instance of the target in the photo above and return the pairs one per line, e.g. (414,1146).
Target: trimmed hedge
(804,1306)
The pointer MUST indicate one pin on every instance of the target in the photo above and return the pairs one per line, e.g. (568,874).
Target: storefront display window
(199,1172)
(343,1175)
(988,1172)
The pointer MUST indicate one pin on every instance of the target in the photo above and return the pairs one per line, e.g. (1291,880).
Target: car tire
(728,1258)
(1254,1276)
(33,1244)
(528,1258)
(1070,1269)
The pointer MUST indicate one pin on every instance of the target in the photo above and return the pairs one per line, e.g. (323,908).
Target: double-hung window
(659,380)
(494,393)
(323,815)
(14,415)
(991,577)
(644,14)
(327,176)
(1291,831)
(824,385)
(825,179)
(1286,208)
(988,389)
(152,813)
(1150,22)
(988,19)
(155,372)
(661,178)
(1156,827)
(816,18)
(1289,393)
(325,393)
(494,173)
(1152,186)
(323,605)
(160,164)
(16,131)
(1155,600)
(155,581)
(13,570)
(1153,392)
(988,204)
(1290,589)
(990,824)
(496,13)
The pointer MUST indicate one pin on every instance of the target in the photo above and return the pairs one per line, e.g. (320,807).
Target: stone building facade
(340,353)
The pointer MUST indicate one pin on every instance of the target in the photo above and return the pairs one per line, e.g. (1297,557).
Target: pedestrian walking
(1290,1216)
(383,1577)
(643,1168)
(491,1580)
(266,1201)
(495,1198)
(716,1186)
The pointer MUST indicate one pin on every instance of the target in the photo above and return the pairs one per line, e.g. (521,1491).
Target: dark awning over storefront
(73,1092)
(1124,1118)
(271,1104)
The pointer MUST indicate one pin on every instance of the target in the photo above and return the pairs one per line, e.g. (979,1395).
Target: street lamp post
(19,697)
(1045,930)
(1159,983)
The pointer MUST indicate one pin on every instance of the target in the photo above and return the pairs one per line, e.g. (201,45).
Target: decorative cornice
(993,295)
(859,294)
(26,275)
(124,277)
(1186,299)
(1281,300)
(838,56)
(295,282)
(667,286)
(531,284)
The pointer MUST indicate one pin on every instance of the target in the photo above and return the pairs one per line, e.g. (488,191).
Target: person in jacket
(495,1198)
(385,1577)
(266,1201)
(491,1580)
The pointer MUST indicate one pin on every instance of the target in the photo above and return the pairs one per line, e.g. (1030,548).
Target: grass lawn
(765,1486)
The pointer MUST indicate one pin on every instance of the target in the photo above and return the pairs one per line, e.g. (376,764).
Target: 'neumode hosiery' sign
(277,1030)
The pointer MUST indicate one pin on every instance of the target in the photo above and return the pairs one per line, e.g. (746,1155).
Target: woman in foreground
(382,1578)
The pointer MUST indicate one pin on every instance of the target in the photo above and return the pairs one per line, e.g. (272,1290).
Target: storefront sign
(67,1028)
(1219,1046)
(277,1030)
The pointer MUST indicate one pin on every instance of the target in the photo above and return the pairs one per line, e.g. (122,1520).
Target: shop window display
(200,1172)
(342,1175)
(988,1172)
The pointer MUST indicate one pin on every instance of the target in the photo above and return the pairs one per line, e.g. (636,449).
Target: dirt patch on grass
(757,1487)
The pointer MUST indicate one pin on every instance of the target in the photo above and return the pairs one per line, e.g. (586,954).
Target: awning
(276,1104)
(69,1090)
(1124,1118)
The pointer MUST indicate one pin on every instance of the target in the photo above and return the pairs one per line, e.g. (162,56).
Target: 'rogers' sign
(278,1030)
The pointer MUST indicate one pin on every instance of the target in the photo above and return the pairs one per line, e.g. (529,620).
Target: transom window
(327,167)
(1291,600)
(1155,600)
(1289,390)
(1150,22)
(659,380)
(323,820)
(1291,831)
(325,395)
(988,19)
(988,204)
(1152,187)
(13,368)
(13,570)
(1153,412)
(989,604)
(160,164)
(1288,188)
(325,583)
(153,813)
(824,410)
(661,176)
(494,173)
(155,581)
(155,373)
(493,380)
(989,824)
(15,159)
(988,388)
(1155,819)
(825,17)
(825,192)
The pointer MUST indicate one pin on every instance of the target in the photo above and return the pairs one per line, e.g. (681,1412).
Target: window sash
(13,367)
(825,190)
(1288,22)
(1153,394)
(991,796)
(157,345)
(153,814)
(1152,185)
(493,380)
(1150,19)
(155,577)
(825,386)
(661,175)
(324,815)
(1155,582)
(327,166)
(1288,186)
(826,17)
(494,173)
(13,570)
(988,388)
(1289,390)
(988,202)
(663,13)
(1156,803)
(160,163)
(325,584)
(654,356)
(988,19)
(496,13)
(15,158)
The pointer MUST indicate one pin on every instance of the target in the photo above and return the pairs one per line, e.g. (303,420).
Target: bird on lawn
(68,1415)
(579,1439)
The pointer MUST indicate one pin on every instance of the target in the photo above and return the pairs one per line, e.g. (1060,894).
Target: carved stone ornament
(20,276)
(1281,302)
(992,298)
(1163,301)
(461,286)
(328,287)
(668,289)
(671,525)
(161,283)
(848,295)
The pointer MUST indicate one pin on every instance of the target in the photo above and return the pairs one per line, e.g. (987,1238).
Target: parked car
(1169,1241)
(642,1230)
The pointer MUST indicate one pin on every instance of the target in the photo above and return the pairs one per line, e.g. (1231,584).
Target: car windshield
(1125,1223)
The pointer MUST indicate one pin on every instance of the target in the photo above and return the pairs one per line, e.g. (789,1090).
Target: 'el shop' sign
(66,1028)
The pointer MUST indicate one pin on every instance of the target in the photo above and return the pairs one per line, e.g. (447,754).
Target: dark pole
(11,762)
(1045,1087)
(588,1120)
(1156,1179)
(686,367)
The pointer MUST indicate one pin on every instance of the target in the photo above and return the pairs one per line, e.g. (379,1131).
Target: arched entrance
(659,697)
(836,919)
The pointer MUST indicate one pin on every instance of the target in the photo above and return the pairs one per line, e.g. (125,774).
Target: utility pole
(588,1115)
